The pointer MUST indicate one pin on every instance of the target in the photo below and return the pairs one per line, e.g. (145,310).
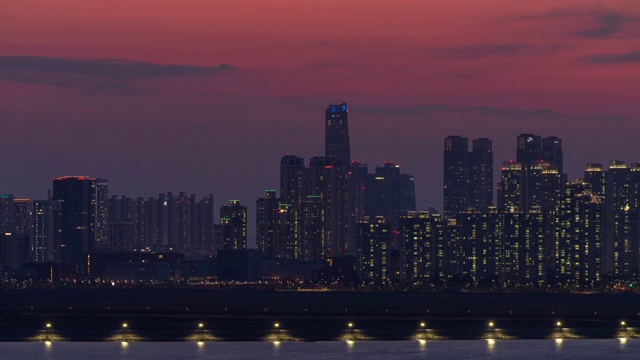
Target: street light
(48,325)
(125,325)
(201,325)
(558,324)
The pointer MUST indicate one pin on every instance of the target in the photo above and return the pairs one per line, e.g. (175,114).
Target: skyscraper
(100,204)
(41,246)
(80,213)
(234,215)
(266,208)
(480,177)
(620,245)
(291,179)
(579,234)
(373,249)
(206,215)
(529,149)
(468,175)
(337,148)
(511,190)
(456,152)
(595,175)
(389,194)
(552,152)
(422,235)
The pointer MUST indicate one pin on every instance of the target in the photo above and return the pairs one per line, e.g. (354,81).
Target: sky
(206,96)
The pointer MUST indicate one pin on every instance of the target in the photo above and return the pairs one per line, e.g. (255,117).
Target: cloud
(604,23)
(480,51)
(624,58)
(94,74)
(607,24)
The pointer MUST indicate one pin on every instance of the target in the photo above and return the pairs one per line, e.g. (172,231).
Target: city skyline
(543,231)
(213,106)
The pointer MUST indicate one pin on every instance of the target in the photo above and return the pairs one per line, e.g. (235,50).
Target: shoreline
(150,328)
(203,316)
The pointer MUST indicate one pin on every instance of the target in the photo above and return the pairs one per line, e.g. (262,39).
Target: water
(369,350)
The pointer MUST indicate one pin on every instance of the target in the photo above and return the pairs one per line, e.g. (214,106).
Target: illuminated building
(468,175)
(337,147)
(15,230)
(552,153)
(231,233)
(511,190)
(312,228)
(42,232)
(422,235)
(579,234)
(621,222)
(520,240)
(266,208)
(389,193)
(536,156)
(473,235)
(529,149)
(6,213)
(373,252)
(505,246)
(83,203)
(291,179)
(286,239)
(596,176)
(100,204)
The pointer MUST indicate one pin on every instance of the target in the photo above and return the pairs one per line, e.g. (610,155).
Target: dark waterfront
(165,315)
(507,349)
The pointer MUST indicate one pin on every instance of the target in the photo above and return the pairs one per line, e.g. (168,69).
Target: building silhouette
(337,147)
(80,227)
(468,175)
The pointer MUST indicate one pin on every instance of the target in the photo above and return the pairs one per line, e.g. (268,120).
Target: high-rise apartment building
(595,175)
(231,233)
(423,239)
(82,211)
(374,251)
(389,193)
(42,231)
(579,227)
(620,245)
(529,149)
(480,175)
(468,175)
(551,152)
(456,154)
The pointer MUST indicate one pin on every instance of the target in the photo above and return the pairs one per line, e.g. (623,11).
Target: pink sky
(203,131)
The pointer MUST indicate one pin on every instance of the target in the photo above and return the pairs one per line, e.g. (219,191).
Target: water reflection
(202,335)
(423,344)
(125,335)
(491,343)
(48,334)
